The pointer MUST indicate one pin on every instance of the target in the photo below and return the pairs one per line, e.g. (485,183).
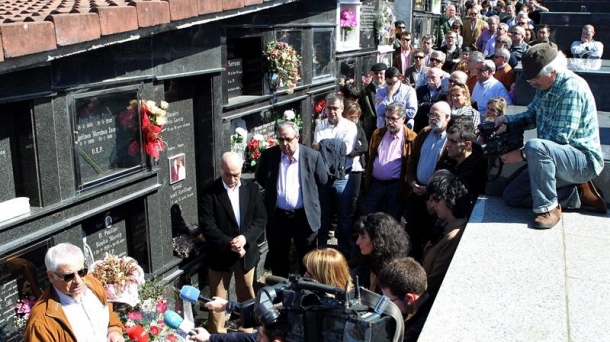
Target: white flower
(241,132)
(289,115)
(161,120)
(258,137)
(150,104)
(164,105)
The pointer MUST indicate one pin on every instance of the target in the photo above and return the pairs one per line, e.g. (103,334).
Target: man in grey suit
(290,174)
(232,218)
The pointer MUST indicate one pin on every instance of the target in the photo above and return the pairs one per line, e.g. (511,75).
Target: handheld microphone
(192,294)
(182,326)
(137,334)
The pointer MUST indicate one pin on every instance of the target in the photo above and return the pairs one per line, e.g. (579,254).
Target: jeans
(383,196)
(336,197)
(549,179)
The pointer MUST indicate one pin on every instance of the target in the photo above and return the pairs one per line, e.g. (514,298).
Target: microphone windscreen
(189,293)
(272,280)
(137,334)
(172,319)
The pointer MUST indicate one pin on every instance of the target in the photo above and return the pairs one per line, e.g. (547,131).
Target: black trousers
(289,225)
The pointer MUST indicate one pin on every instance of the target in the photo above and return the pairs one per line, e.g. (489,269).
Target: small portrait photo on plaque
(177,168)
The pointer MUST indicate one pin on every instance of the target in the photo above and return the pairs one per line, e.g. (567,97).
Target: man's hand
(501,123)
(217,304)
(511,157)
(418,189)
(237,245)
(202,335)
(115,337)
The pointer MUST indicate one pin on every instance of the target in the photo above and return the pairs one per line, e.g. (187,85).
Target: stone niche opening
(18,165)
(244,66)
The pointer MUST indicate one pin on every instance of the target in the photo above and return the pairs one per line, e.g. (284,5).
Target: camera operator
(567,150)
(404,282)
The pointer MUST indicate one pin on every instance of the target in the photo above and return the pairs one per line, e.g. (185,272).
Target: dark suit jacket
(218,224)
(425,101)
(397,60)
(312,173)
(369,115)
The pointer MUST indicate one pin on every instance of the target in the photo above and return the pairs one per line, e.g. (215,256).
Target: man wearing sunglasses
(519,45)
(473,27)
(74,307)
(401,57)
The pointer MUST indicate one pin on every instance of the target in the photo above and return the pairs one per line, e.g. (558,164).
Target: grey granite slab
(589,305)
(506,281)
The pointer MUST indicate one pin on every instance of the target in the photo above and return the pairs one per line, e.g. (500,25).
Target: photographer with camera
(567,150)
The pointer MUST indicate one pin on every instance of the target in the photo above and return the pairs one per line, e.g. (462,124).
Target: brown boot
(589,196)
(548,220)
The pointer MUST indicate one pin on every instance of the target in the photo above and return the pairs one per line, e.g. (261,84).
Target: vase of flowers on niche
(281,66)
(347,23)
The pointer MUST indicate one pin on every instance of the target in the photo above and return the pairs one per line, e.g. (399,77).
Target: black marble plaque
(368,17)
(234,75)
(138,243)
(7,181)
(107,233)
(107,137)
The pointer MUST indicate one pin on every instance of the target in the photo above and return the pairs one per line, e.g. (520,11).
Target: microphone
(192,294)
(182,326)
(137,334)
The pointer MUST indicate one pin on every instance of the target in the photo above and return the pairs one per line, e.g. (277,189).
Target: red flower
(134,316)
(253,145)
(320,106)
(154,330)
(171,337)
(161,306)
(256,154)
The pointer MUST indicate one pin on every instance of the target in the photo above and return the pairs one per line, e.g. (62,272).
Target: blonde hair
(352,108)
(499,104)
(328,266)
(463,89)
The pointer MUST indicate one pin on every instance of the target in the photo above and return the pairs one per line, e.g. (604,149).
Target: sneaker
(548,220)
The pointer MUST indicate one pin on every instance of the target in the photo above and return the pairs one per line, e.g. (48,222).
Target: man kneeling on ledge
(567,154)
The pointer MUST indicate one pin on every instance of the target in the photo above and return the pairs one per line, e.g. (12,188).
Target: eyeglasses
(499,29)
(473,13)
(522,24)
(515,32)
(406,39)
(68,277)
(434,115)
(378,72)
(419,57)
(286,139)
(454,82)
(496,57)
(401,27)
(436,60)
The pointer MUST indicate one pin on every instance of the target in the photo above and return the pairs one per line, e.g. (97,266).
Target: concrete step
(508,282)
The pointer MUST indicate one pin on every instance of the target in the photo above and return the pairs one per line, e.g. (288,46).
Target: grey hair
(520,29)
(290,125)
(560,63)
(440,54)
(489,65)
(63,254)
(477,56)
(333,97)
(503,52)
(232,156)
(397,107)
(504,26)
(462,76)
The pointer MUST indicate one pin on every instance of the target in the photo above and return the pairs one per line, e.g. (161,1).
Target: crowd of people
(396,165)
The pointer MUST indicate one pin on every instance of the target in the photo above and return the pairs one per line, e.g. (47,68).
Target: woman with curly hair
(381,239)
(328,266)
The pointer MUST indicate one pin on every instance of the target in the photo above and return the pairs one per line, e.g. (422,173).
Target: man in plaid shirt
(567,153)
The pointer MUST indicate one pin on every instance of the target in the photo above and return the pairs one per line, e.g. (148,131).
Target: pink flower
(161,306)
(134,316)
(154,330)
(171,337)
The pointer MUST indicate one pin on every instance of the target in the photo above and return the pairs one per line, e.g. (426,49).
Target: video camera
(498,144)
(317,312)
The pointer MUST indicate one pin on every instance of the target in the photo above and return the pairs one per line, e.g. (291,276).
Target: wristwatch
(523,156)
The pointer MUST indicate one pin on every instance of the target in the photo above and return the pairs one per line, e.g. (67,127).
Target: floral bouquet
(153,122)
(238,141)
(290,115)
(348,20)
(282,59)
(256,146)
(120,277)
(147,316)
(385,22)
(318,108)
(23,307)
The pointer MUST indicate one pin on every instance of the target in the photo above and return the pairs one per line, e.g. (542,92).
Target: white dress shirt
(234,198)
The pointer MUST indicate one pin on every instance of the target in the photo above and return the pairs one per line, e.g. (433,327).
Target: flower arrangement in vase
(347,22)
(283,62)
(385,22)
(256,146)
(154,119)
(290,115)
